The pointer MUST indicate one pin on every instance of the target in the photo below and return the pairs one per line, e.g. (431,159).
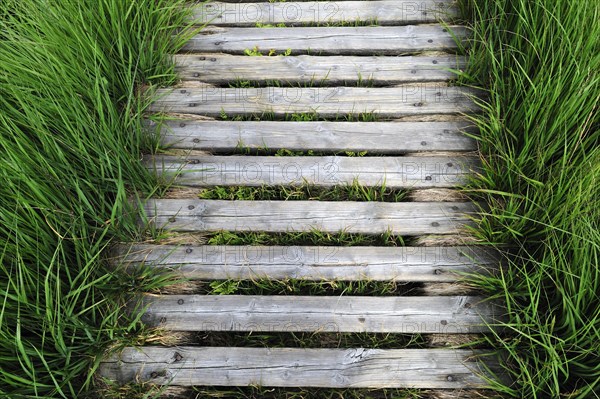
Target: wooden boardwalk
(324,81)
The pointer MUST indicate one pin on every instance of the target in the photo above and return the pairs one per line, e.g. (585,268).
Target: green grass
(135,391)
(361,81)
(540,62)
(312,116)
(329,24)
(305,287)
(72,76)
(305,192)
(317,238)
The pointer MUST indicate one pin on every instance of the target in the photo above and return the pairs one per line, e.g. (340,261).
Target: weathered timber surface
(364,40)
(220,69)
(321,171)
(291,367)
(399,218)
(402,264)
(385,12)
(399,314)
(409,100)
(375,137)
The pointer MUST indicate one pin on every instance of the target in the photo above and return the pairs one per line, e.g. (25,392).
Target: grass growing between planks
(540,61)
(70,138)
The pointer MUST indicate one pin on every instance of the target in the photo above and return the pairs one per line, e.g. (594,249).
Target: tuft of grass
(258,392)
(71,136)
(300,393)
(305,287)
(540,138)
(256,52)
(305,192)
(317,238)
(304,117)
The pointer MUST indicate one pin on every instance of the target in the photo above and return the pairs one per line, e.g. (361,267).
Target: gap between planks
(401,218)
(384,12)
(181,392)
(290,367)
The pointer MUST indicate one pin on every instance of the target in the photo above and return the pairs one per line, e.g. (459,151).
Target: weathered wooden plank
(305,69)
(400,314)
(291,367)
(374,137)
(401,218)
(384,12)
(363,40)
(389,102)
(320,171)
(406,264)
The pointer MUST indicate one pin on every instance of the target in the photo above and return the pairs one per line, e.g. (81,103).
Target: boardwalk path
(327,71)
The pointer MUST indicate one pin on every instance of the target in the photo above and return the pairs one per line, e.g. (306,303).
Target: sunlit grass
(71,83)
(540,138)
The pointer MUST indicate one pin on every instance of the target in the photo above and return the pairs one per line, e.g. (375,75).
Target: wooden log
(408,218)
(223,262)
(220,69)
(384,12)
(364,40)
(292,367)
(391,102)
(374,137)
(320,171)
(353,314)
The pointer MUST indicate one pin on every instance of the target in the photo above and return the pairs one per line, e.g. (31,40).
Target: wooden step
(402,264)
(293,367)
(222,69)
(320,171)
(401,218)
(364,40)
(353,314)
(374,137)
(332,102)
(384,12)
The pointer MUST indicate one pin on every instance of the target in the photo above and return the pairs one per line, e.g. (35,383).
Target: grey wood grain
(401,218)
(385,12)
(291,367)
(409,100)
(321,171)
(222,69)
(399,314)
(364,40)
(374,137)
(223,262)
